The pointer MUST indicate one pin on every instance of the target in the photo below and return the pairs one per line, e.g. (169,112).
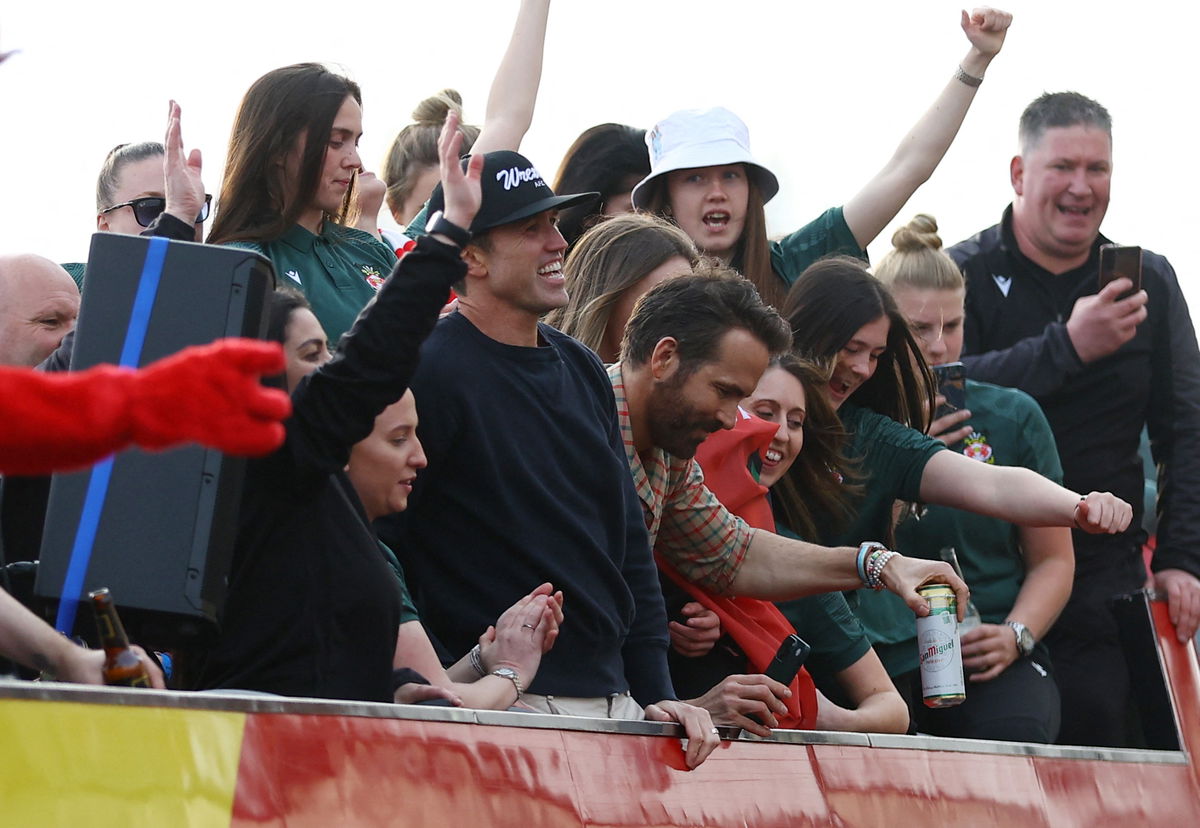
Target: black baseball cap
(512,189)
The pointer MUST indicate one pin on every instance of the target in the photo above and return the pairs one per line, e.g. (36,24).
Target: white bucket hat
(693,138)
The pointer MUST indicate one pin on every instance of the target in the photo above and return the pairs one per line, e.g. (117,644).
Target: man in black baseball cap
(512,247)
(528,480)
(513,189)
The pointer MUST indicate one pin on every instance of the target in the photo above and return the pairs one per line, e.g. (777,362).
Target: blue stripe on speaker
(97,490)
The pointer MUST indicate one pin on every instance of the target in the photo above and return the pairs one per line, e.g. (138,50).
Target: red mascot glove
(209,394)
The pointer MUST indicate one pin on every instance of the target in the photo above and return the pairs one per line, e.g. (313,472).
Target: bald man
(38,305)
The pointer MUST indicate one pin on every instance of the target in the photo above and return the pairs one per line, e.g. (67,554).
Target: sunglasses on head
(147,209)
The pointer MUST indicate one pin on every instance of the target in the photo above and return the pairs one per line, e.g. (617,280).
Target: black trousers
(1089,662)
(1019,705)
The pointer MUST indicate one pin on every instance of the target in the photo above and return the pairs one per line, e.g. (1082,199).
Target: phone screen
(952,384)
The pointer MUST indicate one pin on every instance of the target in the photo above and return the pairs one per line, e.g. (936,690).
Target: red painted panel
(304,770)
(330,770)
(638,780)
(1098,794)
(872,786)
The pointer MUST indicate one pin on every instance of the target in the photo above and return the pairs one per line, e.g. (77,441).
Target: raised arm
(181,171)
(515,87)
(923,148)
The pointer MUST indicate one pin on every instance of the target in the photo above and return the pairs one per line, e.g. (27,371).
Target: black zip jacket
(1016,335)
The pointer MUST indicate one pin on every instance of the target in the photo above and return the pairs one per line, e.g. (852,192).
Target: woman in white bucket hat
(703,176)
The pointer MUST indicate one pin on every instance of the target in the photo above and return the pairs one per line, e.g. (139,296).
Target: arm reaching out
(29,640)
(778,568)
(207,394)
(1018,495)
(923,148)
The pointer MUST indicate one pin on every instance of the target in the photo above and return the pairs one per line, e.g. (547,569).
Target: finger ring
(714,730)
(529,626)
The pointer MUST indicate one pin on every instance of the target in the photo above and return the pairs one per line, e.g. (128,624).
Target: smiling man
(1101,366)
(694,348)
(527,481)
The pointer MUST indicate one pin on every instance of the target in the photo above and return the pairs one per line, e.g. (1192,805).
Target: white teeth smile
(719,217)
(554,267)
(773,456)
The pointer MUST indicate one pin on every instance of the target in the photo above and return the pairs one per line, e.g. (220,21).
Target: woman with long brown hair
(289,190)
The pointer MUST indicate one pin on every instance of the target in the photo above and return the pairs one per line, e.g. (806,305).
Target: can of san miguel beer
(938,648)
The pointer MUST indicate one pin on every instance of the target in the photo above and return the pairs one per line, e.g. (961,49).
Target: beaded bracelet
(875,564)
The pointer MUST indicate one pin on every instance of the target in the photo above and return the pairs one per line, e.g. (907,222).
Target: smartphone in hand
(952,384)
(1117,261)
(789,658)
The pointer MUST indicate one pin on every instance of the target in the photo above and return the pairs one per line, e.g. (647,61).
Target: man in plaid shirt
(694,348)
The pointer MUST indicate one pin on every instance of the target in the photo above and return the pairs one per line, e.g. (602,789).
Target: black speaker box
(165,532)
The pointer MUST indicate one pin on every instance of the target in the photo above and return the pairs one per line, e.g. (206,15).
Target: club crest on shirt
(1002,282)
(372,276)
(294,276)
(977,448)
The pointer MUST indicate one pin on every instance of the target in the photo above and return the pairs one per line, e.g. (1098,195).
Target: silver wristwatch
(1025,640)
(510,674)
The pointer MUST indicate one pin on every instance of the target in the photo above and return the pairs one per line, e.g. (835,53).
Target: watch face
(1025,640)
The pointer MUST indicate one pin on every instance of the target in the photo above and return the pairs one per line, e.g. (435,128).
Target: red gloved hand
(211,394)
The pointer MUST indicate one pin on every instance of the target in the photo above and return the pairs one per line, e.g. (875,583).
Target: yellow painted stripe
(100,765)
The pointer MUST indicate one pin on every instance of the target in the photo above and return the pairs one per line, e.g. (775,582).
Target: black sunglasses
(146,210)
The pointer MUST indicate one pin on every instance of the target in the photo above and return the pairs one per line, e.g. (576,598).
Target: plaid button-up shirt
(688,526)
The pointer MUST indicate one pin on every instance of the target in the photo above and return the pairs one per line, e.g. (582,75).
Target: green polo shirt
(339,270)
(891,457)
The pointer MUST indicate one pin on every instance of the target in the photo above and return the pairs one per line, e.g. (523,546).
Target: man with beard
(694,348)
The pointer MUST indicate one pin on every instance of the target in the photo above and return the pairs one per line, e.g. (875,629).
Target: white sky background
(827,89)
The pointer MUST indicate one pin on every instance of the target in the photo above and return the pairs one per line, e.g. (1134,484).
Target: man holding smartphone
(1102,365)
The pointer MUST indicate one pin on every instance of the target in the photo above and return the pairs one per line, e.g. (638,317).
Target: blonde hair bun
(918,234)
(433,110)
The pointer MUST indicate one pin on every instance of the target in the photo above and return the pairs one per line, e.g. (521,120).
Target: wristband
(442,226)
(864,550)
